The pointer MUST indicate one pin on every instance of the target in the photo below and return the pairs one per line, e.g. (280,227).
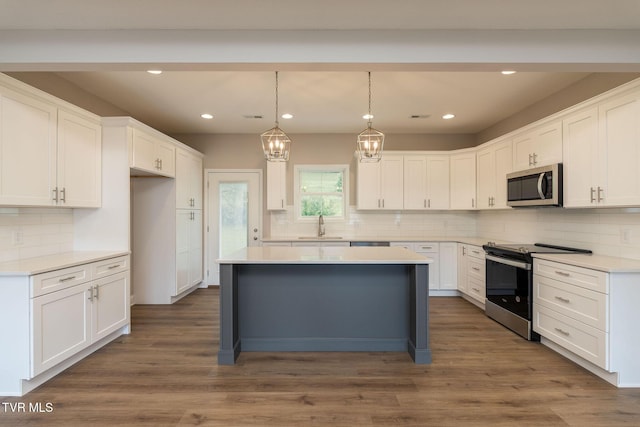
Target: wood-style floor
(165,374)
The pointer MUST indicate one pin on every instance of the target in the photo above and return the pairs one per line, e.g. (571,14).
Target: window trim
(297,197)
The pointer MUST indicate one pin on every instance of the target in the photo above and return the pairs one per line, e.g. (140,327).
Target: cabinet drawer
(59,279)
(583,305)
(476,268)
(110,266)
(407,245)
(584,340)
(475,252)
(427,247)
(583,277)
(476,288)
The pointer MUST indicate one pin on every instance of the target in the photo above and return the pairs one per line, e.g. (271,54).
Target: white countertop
(595,262)
(478,241)
(327,255)
(37,265)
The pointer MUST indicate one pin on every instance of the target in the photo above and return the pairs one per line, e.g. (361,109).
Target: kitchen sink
(320,238)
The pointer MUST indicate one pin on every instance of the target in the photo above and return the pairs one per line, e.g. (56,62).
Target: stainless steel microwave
(535,187)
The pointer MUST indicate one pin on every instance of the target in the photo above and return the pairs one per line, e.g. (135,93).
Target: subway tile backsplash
(33,232)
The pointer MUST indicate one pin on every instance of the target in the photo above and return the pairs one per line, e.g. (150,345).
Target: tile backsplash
(33,232)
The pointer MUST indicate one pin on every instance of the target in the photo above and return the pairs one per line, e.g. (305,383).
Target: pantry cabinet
(426,182)
(50,151)
(188,180)
(494,163)
(149,154)
(602,153)
(380,185)
(276,185)
(538,146)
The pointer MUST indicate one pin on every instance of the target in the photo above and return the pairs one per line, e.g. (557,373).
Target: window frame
(297,194)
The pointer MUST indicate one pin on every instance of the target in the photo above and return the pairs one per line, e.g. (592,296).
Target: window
(321,190)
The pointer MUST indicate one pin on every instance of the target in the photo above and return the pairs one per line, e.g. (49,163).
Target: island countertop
(324,255)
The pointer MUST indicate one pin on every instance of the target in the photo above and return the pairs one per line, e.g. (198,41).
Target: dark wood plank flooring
(165,374)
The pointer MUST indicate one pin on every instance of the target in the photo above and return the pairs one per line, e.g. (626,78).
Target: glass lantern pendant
(275,143)
(370,141)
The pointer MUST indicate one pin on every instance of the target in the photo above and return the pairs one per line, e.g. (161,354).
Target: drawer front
(427,247)
(407,245)
(578,303)
(110,266)
(475,252)
(584,340)
(52,281)
(583,277)
(476,268)
(476,288)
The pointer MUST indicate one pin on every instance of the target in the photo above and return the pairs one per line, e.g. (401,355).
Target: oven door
(509,284)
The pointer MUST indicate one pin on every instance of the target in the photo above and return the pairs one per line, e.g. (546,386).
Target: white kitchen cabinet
(430,250)
(276,185)
(590,314)
(448,265)
(50,153)
(60,315)
(442,271)
(188,180)
(318,244)
(188,249)
(463,180)
(539,146)
(602,154)
(494,163)
(471,273)
(151,155)
(276,244)
(380,185)
(426,182)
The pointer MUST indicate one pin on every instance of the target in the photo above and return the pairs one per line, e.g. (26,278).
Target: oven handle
(518,264)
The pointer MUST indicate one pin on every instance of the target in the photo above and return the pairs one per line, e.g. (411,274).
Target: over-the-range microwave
(535,187)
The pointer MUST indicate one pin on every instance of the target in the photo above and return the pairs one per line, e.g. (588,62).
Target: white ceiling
(323,100)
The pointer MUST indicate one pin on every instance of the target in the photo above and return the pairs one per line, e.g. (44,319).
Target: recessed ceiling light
(508,72)
(448,116)
(206,116)
(287,116)
(156,72)
(368,116)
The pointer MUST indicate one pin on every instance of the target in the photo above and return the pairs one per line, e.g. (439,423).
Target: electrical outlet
(625,236)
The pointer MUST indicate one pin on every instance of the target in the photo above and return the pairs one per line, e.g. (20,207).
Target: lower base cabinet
(443,270)
(471,272)
(58,315)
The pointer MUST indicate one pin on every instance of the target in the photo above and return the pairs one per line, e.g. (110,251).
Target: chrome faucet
(321,231)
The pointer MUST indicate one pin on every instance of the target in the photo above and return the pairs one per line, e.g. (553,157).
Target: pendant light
(275,143)
(370,140)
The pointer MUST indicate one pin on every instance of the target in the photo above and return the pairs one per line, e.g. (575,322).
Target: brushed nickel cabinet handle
(562,273)
(90,294)
(593,195)
(565,300)
(565,333)
(97,294)
(66,279)
(111,267)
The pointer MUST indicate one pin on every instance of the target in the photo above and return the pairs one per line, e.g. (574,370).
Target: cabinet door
(27,150)
(415,182)
(462,268)
(434,268)
(79,161)
(61,326)
(538,147)
(486,177)
(437,182)
(276,185)
(110,308)
(195,249)
(183,249)
(580,171)
(368,186)
(188,180)
(619,151)
(166,155)
(463,181)
(392,182)
(448,265)
(503,164)
(144,152)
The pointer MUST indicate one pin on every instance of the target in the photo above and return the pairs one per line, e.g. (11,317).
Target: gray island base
(324,299)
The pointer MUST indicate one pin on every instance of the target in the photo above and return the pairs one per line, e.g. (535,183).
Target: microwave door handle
(540,192)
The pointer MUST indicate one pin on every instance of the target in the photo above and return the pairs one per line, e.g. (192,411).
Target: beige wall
(590,86)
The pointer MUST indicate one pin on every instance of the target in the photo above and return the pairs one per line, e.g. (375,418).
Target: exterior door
(234,218)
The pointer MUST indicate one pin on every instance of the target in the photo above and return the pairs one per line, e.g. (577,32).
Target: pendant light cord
(370,117)
(277,99)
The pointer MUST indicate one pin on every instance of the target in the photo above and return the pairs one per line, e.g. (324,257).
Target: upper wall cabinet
(463,181)
(380,185)
(539,146)
(426,182)
(188,180)
(494,163)
(602,153)
(49,156)
(276,185)
(149,155)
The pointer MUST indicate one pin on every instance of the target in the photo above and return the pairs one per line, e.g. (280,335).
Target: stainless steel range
(509,276)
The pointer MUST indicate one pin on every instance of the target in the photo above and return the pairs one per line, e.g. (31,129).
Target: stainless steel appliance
(509,281)
(535,187)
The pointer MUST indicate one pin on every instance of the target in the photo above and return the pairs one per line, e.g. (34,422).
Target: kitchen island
(324,299)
